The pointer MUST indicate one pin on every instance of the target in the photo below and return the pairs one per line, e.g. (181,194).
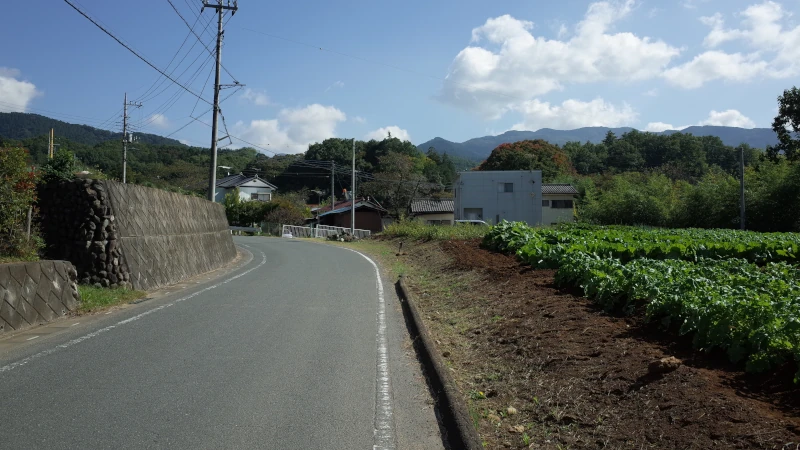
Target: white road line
(384,417)
(77,341)
(31,338)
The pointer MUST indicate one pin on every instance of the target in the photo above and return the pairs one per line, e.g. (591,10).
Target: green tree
(530,155)
(624,157)
(787,123)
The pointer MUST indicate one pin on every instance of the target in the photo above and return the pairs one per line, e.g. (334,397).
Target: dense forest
(19,126)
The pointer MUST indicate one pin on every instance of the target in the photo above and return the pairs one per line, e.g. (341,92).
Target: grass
(93,298)
(418,230)
(5,259)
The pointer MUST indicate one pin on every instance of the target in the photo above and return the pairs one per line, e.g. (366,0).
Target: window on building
(260,196)
(546,203)
(505,187)
(562,204)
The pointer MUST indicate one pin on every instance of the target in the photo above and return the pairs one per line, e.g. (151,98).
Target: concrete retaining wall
(127,235)
(36,292)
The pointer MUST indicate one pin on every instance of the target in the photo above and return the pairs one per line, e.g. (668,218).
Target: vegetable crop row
(750,310)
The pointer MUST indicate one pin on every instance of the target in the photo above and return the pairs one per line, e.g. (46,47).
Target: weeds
(93,298)
(418,230)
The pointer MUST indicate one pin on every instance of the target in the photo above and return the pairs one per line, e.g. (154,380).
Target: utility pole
(741,199)
(125,138)
(220,9)
(333,192)
(353,195)
(50,147)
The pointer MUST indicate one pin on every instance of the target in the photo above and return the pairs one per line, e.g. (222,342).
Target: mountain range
(20,126)
(478,149)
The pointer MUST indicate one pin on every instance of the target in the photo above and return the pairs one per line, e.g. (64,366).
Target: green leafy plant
(738,291)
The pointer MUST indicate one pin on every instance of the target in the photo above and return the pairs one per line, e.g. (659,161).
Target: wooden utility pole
(50,145)
(220,9)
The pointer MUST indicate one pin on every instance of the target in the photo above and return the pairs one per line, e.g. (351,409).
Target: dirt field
(575,376)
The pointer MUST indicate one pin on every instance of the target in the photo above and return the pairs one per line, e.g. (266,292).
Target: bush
(17,195)
(61,168)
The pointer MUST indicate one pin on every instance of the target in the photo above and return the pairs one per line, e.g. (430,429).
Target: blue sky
(420,69)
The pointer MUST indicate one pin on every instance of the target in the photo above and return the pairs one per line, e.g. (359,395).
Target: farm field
(730,290)
(577,372)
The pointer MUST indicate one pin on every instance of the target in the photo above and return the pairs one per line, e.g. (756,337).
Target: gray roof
(430,205)
(239,179)
(565,189)
(348,205)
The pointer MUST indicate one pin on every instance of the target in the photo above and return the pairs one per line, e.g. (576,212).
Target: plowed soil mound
(579,377)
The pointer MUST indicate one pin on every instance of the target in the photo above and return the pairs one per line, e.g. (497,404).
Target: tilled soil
(578,377)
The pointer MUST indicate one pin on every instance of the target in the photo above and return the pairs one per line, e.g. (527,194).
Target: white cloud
(294,129)
(359,119)
(657,127)
(573,114)
(692,4)
(15,94)
(382,133)
(774,49)
(651,93)
(729,118)
(506,64)
(185,142)
(715,65)
(337,85)
(159,121)
(258,98)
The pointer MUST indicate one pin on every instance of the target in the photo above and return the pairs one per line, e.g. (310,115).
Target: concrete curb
(454,412)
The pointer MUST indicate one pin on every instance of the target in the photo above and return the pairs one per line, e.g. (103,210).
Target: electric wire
(130,49)
(191,30)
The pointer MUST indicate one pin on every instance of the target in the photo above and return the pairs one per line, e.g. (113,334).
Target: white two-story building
(251,187)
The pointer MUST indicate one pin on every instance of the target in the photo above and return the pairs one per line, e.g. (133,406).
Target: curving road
(289,350)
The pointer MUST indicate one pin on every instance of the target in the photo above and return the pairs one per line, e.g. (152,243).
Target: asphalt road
(289,350)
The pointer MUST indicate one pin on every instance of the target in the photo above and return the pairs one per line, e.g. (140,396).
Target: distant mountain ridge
(19,126)
(478,149)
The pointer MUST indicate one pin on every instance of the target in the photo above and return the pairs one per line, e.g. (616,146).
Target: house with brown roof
(369,214)
(558,203)
(433,211)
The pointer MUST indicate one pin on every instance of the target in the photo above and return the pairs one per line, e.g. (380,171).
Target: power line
(170,61)
(132,50)
(191,30)
(172,100)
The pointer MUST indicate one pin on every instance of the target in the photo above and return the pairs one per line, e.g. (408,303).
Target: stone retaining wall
(33,293)
(128,235)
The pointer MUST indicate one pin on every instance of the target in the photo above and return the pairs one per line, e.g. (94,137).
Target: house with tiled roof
(251,187)
(558,203)
(369,214)
(433,211)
